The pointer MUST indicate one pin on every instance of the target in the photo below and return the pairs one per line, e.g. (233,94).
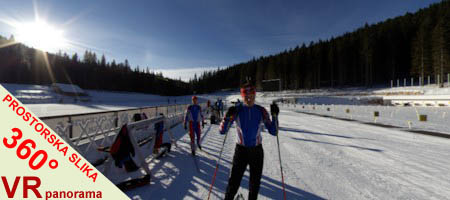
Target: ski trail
(322,158)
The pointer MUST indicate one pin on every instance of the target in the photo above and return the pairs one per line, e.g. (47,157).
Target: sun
(40,35)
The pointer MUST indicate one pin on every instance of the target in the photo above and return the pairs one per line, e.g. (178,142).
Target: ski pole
(218,160)
(279,157)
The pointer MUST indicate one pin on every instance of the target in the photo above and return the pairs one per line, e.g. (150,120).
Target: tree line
(21,64)
(411,45)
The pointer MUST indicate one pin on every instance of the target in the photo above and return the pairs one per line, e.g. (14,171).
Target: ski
(134,183)
(239,196)
(162,152)
(194,157)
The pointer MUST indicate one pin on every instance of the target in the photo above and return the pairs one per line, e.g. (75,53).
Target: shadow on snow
(182,180)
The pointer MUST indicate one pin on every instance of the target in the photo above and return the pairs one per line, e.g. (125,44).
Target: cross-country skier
(220,106)
(194,116)
(249,150)
(208,106)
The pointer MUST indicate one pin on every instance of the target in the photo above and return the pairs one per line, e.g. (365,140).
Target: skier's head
(248,93)
(194,99)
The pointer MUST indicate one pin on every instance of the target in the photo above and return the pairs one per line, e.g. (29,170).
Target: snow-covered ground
(437,118)
(322,158)
(425,90)
(44,102)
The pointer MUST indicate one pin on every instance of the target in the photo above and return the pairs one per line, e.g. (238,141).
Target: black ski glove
(232,111)
(203,124)
(274,110)
(185,127)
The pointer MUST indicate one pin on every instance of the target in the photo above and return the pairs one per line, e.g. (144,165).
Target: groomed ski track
(323,158)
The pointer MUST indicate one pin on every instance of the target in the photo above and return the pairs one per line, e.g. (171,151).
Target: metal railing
(86,132)
(422,81)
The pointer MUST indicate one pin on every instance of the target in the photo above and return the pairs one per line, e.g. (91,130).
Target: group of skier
(215,110)
(248,151)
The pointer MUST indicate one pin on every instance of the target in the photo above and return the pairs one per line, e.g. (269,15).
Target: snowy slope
(322,158)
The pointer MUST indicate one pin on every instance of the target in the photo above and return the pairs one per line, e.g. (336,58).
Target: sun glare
(40,35)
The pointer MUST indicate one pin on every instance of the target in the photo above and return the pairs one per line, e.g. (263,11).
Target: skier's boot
(193,149)
(155,152)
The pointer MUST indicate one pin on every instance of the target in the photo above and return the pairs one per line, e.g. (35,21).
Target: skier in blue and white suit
(194,116)
(248,117)
(220,106)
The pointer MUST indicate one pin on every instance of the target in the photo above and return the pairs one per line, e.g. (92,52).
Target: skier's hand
(231,111)
(185,127)
(274,110)
(203,124)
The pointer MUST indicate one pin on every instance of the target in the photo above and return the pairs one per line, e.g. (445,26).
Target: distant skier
(194,116)
(238,102)
(248,151)
(220,106)
(214,116)
(208,106)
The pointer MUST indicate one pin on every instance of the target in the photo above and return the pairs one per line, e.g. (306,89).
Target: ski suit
(220,105)
(248,149)
(194,116)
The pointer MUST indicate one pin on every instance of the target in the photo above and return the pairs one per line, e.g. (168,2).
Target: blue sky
(181,37)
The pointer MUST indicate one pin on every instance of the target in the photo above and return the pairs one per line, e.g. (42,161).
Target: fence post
(404,82)
(448,79)
(392,83)
(116,120)
(71,127)
(429,80)
(412,81)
